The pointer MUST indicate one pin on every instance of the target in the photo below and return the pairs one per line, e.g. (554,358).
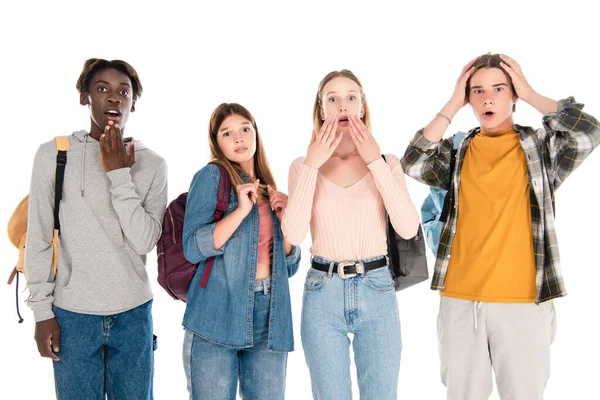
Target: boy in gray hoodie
(94,318)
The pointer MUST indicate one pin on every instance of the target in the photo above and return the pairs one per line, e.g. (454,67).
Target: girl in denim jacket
(240,325)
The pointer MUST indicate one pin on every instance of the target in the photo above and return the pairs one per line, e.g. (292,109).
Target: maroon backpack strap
(222,202)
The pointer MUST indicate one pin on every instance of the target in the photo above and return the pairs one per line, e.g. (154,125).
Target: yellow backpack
(17,225)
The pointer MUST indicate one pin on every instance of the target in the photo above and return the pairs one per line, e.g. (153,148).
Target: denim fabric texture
(213,370)
(364,305)
(105,356)
(222,312)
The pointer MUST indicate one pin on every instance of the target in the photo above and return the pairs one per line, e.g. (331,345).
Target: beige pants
(513,338)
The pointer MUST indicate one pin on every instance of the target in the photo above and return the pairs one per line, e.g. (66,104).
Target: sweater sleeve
(40,226)
(301,188)
(141,221)
(391,183)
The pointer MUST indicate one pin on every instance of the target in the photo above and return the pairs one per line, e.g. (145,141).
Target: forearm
(396,199)
(435,130)
(541,103)
(296,217)
(287,246)
(225,228)
(142,225)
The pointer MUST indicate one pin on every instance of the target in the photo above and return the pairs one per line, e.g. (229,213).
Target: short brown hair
(488,61)
(93,65)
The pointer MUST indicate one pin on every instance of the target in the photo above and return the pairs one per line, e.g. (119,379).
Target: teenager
(94,319)
(498,266)
(343,190)
(239,326)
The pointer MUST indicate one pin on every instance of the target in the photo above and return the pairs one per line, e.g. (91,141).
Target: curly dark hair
(93,65)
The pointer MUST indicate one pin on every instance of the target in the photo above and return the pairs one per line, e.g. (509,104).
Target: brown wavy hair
(344,73)
(261,164)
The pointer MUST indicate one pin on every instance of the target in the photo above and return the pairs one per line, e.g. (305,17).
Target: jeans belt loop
(331,268)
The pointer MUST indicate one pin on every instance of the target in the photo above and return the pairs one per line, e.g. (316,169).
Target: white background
(270,58)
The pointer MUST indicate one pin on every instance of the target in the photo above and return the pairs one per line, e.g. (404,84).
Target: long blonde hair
(344,73)
(261,164)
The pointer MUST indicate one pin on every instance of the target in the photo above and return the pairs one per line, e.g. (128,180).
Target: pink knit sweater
(348,223)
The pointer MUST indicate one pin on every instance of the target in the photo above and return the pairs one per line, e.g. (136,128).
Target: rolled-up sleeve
(199,223)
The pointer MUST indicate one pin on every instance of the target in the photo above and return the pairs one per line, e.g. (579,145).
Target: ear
(321,112)
(514,107)
(83,99)
(362,109)
(133,106)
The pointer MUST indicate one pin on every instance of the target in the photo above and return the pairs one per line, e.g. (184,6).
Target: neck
(346,146)
(248,167)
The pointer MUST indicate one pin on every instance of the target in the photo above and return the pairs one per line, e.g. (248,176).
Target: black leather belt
(348,269)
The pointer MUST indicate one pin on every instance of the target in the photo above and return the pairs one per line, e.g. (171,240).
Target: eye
(478,91)
(226,134)
(499,89)
(352,97)
(246,129)
(102,89)
(124,92)
(332,100)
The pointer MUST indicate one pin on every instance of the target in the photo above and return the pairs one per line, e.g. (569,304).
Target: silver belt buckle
(360,269)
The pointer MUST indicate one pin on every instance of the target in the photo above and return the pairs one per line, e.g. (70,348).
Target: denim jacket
(222,312)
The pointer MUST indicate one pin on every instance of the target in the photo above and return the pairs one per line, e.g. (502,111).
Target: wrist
(311,164)
(451,108)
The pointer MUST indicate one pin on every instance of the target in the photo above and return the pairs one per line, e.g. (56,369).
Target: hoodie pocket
(100,270)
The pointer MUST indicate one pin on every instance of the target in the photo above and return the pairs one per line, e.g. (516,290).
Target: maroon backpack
(175,272)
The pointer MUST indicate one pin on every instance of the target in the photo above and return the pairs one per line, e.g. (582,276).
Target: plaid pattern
(567,137)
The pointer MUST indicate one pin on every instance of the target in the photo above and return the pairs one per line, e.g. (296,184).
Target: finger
(314,137)
(324,128)
(119,137)
(270,190)
(103,143)
(113,139)
(468,66)
(465,77)
(356,132)
(510,61)
(338,140)
(362,128)
(508,69)
(279,204)
(131,153)
(256,184)
(332,132)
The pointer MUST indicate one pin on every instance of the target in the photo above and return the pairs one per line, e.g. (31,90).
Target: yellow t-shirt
(492,256)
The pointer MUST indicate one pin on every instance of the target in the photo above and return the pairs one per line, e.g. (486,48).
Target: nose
(488,102)
(238,138)
(113,99)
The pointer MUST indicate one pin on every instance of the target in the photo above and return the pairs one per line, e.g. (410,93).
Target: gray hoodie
(109,222)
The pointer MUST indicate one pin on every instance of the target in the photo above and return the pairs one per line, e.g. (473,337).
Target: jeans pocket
(380,279)
(314,280)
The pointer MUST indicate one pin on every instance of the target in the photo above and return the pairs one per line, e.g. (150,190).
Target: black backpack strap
(61,163)
(448,198)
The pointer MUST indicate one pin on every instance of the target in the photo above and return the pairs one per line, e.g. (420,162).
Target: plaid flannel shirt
(552,152)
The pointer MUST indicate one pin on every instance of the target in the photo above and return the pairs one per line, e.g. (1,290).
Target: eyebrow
(495,85)
(226,128)
(328,93)
(108,83)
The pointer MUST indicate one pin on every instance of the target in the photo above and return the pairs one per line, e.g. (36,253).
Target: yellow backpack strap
(62,143)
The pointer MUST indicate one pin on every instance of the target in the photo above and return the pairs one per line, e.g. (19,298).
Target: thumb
(256,183)
(56,340)
(270,189)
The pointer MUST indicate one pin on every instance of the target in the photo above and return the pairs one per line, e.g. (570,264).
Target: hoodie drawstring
(83,148)
(476,307)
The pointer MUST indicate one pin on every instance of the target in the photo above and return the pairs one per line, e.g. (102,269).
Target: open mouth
(241,150)
(343,121)
(489,114)
(112,114)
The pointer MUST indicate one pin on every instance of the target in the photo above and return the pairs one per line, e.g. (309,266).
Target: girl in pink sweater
(343,190)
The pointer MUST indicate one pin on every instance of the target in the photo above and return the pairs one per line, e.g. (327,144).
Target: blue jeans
(213,370)
(366,306)
(105,355)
